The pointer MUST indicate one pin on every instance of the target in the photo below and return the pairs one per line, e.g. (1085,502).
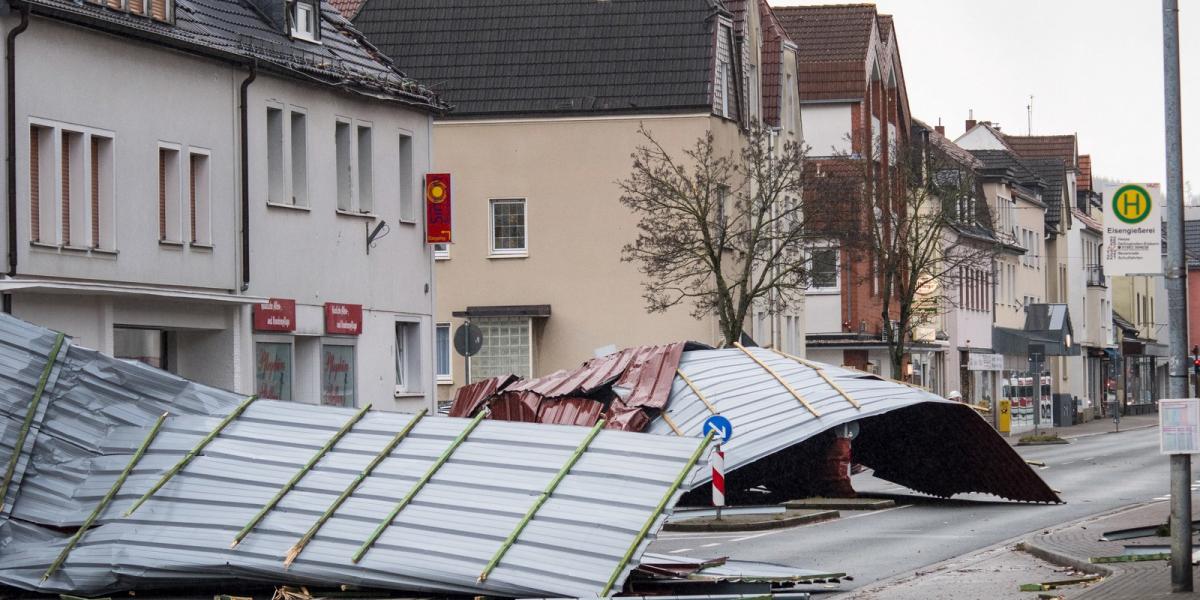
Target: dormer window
(304,21)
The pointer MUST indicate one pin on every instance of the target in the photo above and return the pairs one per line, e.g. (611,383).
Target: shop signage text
(343,319)
(276,314)
(437,208)
(985,362)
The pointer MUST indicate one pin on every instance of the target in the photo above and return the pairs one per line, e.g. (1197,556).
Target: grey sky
(1094,67)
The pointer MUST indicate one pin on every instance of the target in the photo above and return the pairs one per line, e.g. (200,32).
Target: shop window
(273,370)
(442,347)
(337,375)
(506,348)
(408,358)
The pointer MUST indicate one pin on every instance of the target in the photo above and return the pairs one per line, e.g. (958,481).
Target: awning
(52,286)
(537,311)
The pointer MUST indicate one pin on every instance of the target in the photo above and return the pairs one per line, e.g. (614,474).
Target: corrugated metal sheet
(469,398)
(646,371)
(99,411)
(908,435)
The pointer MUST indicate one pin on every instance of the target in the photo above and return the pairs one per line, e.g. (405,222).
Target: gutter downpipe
(245,143)
(10,71)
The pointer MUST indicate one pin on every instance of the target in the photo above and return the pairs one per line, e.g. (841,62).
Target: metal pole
(1181,464)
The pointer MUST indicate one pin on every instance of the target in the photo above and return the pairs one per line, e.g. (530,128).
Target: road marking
(710,545)
(679,550)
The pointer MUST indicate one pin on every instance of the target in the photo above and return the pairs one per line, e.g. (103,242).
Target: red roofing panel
(650,375)
(625,418)
(570,411)
(469,398)
(516,406)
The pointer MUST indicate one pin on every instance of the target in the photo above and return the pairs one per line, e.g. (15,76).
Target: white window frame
(448,376)
(837,271)
(53,209)
(507,252)
(176,228)
(310,34)
(406,168)
(411,384)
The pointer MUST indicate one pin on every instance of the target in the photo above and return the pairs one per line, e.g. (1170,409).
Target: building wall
(567,172)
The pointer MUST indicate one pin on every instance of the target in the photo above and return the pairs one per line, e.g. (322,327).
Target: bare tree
(722,232)
(922,226)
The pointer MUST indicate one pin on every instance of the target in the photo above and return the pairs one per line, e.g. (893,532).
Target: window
(823,269)
(101,196)
(299,162)
(506,348)
(74,215)
(337,375)
(442,347)
(408,357)
(199,214)
(168,195)
(273,370)
(723,83)
(441,251)
(408,212)
(304,25)
(41,177)
(508,227)
(159,10)
(342,164)
(366,200)
(275,187)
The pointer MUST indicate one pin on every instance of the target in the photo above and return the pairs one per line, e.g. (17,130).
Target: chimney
(970,124)
(970,119)
(941,129)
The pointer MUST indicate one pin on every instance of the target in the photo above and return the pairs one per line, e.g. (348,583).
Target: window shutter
(95,193)
(35,208)
(162,193)
(137,7)
(66,190)
(192,196)
(115,4)
(158,10)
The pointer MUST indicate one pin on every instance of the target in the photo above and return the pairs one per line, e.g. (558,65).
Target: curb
(863,503)
(1047,443)
(1063,560)
(711,524)
(1095,433)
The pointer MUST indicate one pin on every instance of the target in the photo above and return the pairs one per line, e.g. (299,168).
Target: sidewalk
(1074,544)
(1096,427)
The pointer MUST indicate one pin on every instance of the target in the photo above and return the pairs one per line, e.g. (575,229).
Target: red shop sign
(437,208)
(343,319)
(276,314)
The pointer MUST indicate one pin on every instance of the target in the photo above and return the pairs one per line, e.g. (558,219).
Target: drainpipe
(245,143)
(10,69)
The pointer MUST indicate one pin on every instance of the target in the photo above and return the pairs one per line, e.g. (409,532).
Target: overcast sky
(1094,67)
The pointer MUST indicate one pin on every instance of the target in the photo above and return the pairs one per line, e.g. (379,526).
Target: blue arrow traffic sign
(721,426)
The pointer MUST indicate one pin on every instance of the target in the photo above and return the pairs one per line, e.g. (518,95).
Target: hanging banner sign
(437,208)
(1132,230)
(343,319)
(276,314)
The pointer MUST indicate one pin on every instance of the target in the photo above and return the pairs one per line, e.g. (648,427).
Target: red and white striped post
(718,478)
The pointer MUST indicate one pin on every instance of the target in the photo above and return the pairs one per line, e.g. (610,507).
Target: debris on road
(1053,585)
(788,413)
(383,501)
(660,574)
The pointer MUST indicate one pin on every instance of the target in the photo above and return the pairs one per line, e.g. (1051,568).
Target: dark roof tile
(832,44)
(551,56)
(1063,147)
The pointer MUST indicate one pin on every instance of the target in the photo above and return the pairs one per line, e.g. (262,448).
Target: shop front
(307,353)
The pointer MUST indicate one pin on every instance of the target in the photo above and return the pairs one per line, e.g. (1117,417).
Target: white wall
(823,313)
(979,138)
(826,128)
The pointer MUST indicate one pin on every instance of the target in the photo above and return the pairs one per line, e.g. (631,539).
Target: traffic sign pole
(718,477)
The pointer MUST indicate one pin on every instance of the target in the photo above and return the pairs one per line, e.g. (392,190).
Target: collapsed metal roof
(783,410)
(483,508)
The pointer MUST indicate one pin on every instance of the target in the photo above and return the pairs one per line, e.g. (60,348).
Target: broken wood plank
(187,458)
(1129,558)
(671,423)
(781,380)
(545,495)
(662,504)
(287,487)
(821,372)
(437,464)
(30,414)
(112,493)
(695,390)
(298,547)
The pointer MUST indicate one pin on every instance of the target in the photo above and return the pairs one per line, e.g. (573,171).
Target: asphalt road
(1095,474)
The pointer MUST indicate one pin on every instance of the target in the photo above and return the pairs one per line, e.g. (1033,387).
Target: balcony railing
(1095,276)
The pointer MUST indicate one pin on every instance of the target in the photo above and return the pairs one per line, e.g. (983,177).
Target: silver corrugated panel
(99,411)
(766,417)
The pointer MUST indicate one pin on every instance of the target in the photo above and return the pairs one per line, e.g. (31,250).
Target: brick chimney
(941,129)
(970,124)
